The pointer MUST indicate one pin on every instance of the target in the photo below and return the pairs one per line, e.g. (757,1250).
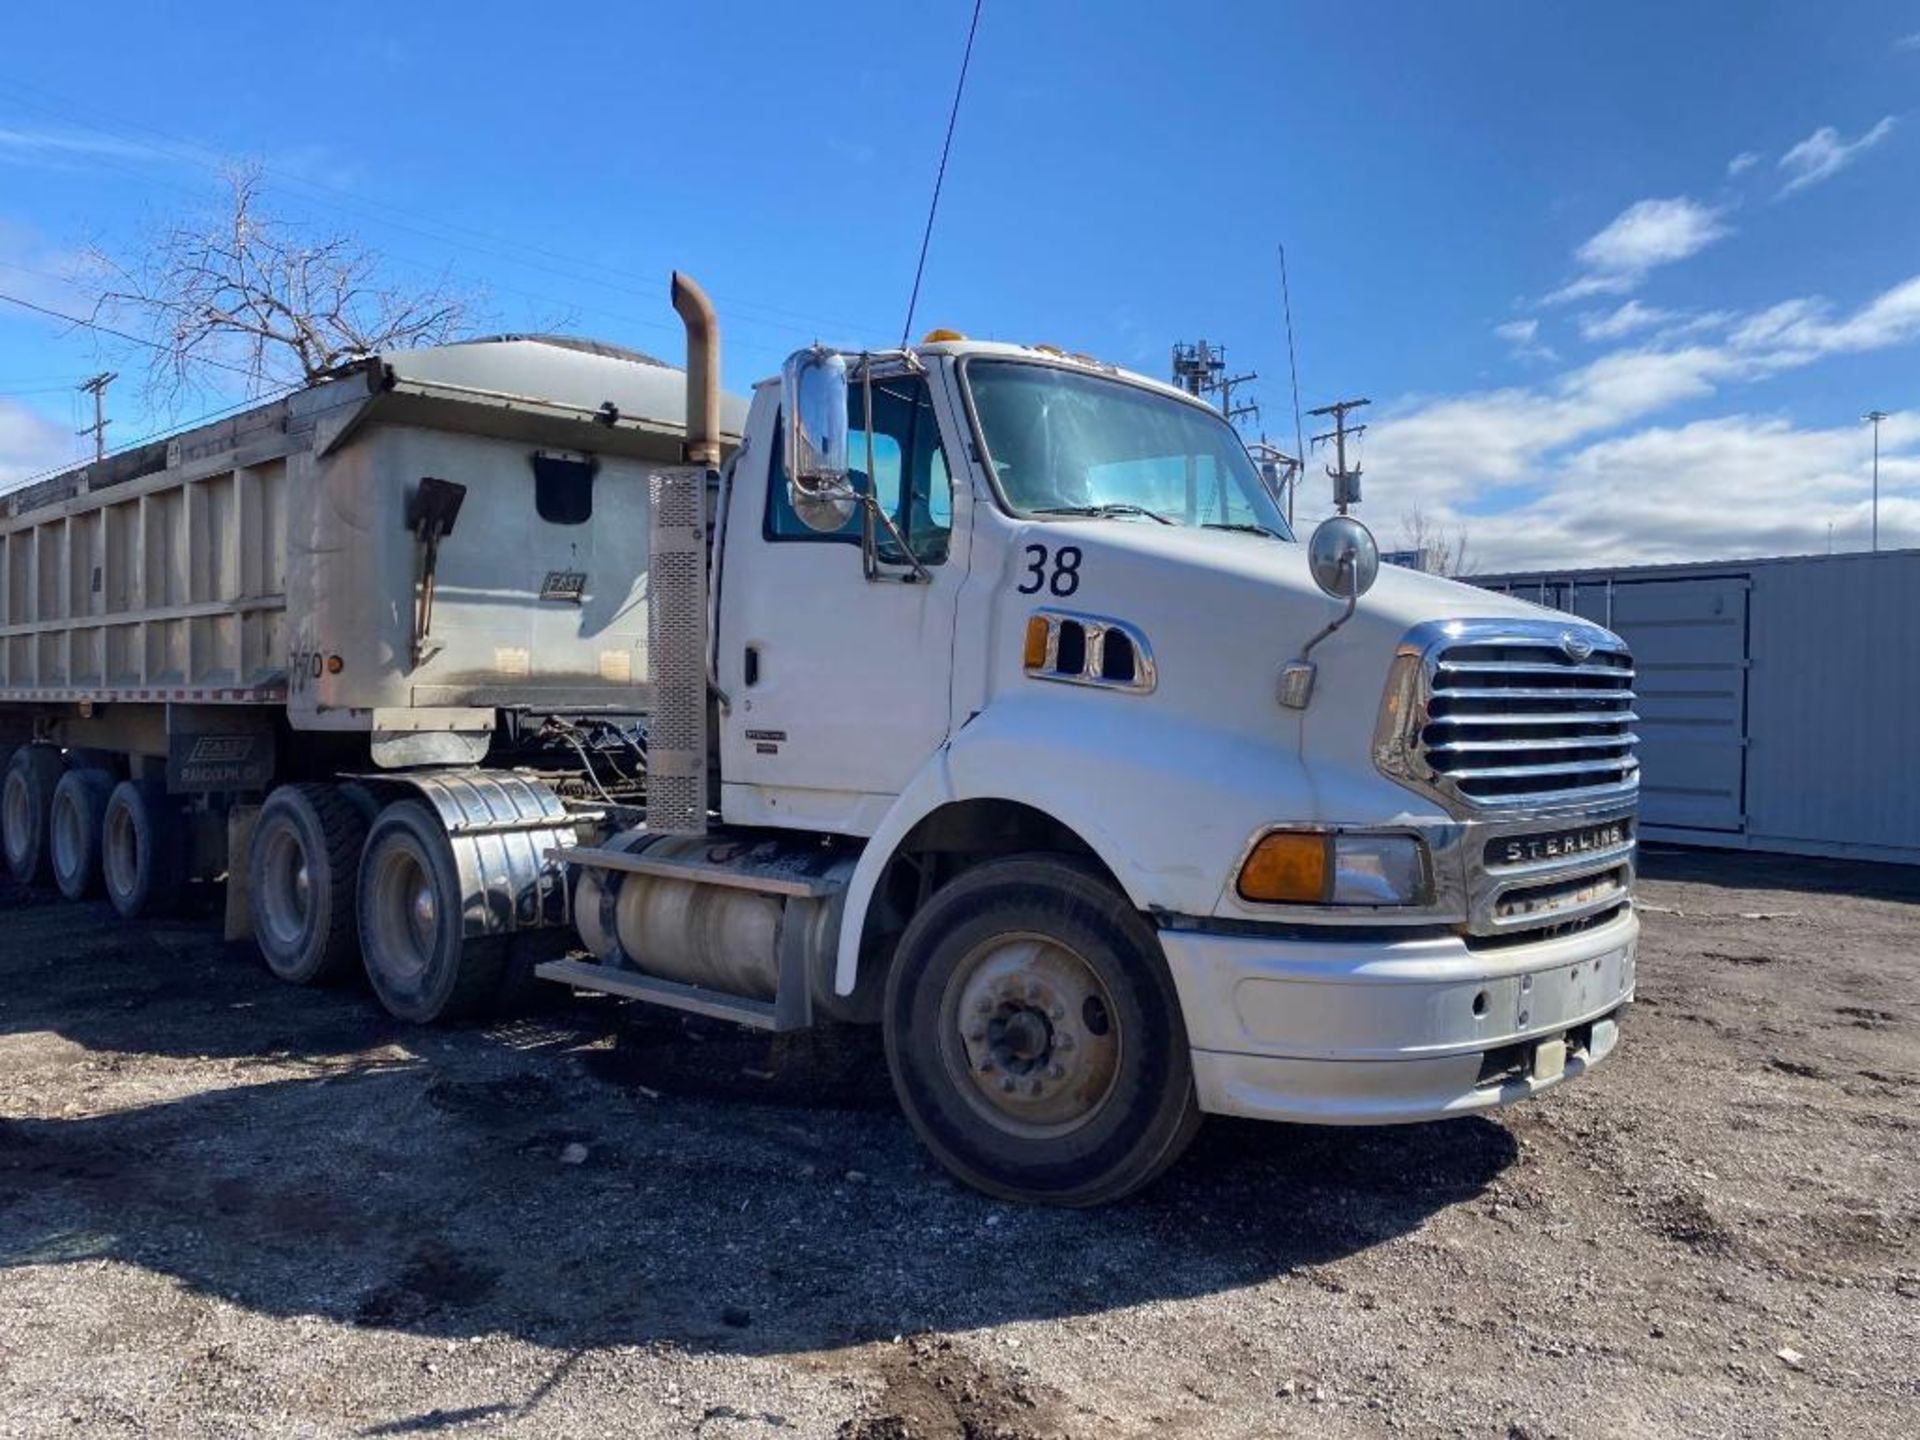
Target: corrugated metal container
(1779,698)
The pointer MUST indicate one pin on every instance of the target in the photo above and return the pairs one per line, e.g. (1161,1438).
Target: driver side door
(840,685)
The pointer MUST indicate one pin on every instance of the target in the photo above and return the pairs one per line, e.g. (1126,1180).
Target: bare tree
(242,291)
(1443,551)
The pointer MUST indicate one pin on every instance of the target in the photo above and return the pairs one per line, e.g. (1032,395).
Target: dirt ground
(229,1207)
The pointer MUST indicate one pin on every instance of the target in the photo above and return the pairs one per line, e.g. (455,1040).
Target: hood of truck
(1222,612)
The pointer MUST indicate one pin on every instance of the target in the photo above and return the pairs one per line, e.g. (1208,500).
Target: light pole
(1873,418)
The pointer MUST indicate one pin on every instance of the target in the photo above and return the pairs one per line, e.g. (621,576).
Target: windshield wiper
(1115,507)
(1245,526)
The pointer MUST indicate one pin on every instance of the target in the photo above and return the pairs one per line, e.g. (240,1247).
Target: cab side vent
(1117,660)
(1088,650)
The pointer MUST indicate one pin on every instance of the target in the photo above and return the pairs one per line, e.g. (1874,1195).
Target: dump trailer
(977,691)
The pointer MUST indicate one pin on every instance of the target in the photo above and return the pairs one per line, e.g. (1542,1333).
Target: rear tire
(1035,1038)
(421,965)
(301,876)
(26,804)
(73,831)
(143,855)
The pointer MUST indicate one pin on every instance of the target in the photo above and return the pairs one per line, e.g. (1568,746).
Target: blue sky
(1592,330)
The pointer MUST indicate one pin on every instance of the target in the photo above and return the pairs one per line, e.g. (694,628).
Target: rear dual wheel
(303,875)
(26,810)
(1035,1038)
(143,852)
(74,821)
(419,960)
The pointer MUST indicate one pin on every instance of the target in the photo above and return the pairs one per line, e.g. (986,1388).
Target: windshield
(1062,442)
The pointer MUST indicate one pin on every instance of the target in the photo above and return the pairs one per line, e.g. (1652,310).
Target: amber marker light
(1288,867)
(1035,654)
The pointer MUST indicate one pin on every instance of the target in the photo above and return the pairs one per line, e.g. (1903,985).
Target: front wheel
(1035,1038)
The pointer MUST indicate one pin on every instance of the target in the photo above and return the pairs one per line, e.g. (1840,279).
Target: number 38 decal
(1065,578)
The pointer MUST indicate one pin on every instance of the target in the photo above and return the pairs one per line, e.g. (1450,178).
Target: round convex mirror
(1343,557)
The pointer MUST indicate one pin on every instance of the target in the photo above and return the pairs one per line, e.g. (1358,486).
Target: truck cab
(1030,670)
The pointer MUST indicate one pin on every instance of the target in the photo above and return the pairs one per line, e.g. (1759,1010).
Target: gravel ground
(233,1208)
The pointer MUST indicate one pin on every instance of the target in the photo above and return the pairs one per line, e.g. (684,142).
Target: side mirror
(813,397)
(1343,557)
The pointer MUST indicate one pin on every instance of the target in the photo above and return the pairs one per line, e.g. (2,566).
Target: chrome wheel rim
(287,892)
(1030,1035)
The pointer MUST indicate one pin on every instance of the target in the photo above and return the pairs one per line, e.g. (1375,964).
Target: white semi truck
(979,691)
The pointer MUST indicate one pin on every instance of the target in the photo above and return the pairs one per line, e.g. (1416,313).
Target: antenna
(1293,369)
(940,175)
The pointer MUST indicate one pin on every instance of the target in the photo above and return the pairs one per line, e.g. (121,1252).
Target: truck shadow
(593,1175)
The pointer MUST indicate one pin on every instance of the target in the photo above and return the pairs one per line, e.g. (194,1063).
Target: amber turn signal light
(1288,867)
(1035,654)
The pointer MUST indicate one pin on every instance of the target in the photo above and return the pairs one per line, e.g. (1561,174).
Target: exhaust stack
(703,372)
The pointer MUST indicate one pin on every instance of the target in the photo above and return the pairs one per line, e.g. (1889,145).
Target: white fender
(1167,805)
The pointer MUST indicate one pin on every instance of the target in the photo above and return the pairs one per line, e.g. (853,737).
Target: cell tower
(1200,369)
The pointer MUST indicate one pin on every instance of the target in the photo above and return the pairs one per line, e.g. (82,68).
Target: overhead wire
(180,148)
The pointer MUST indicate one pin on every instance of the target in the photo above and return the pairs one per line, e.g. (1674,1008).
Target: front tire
(411,923)
(1035,1038)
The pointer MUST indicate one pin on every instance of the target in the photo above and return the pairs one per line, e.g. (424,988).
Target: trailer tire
(74,828)
(143,855)
(421,965)
(26,805)
(301,876)
(1035,1038)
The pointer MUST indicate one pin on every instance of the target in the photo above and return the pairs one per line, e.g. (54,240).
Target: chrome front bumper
(1344,1032)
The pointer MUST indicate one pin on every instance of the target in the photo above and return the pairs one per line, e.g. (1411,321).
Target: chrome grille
(1515,715)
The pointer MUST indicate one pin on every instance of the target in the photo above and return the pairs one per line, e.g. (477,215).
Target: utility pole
(1346,483)
(97,386)
(1873,418)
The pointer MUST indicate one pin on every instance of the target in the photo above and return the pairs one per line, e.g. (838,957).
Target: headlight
(1319,867)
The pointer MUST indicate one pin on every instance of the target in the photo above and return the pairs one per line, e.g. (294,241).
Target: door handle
(750,665)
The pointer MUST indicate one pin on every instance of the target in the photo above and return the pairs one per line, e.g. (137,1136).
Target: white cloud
(1646,234)
(1824,153)
(1591,488)
(1628,319)
(1518,332)
(29,443)
(1650,233)
(1743,162)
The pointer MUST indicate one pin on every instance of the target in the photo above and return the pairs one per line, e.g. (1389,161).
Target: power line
(940,175)
(96,326)
(182,149)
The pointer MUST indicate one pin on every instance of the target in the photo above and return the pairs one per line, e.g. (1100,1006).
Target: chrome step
(583,975)
(741,874)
